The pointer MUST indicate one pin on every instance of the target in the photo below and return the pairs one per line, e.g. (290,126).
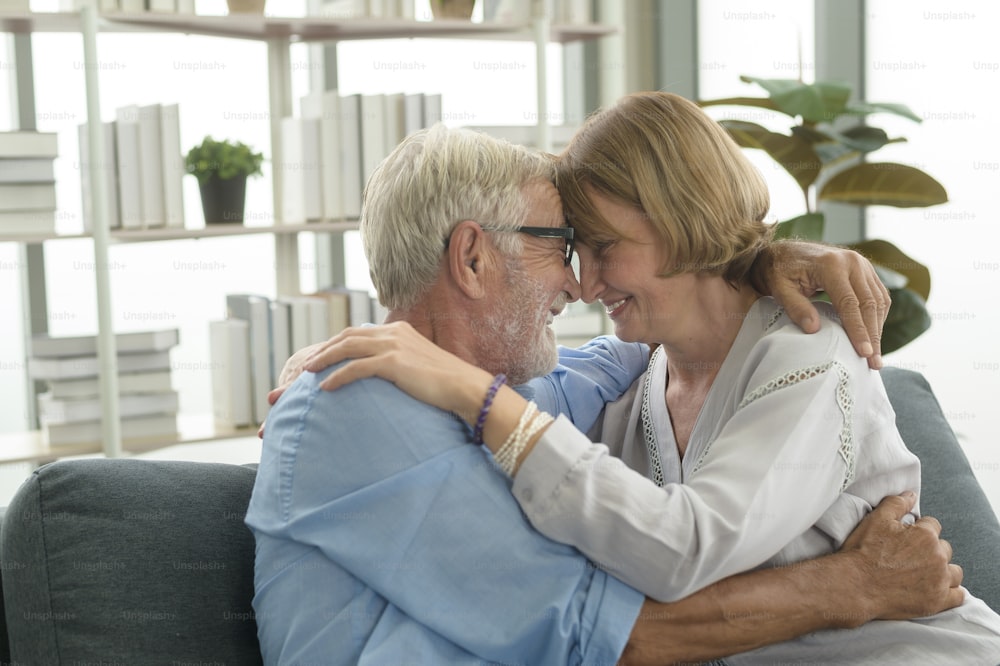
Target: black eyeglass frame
(566,233)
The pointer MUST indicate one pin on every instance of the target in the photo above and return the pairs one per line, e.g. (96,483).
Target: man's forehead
(544,204)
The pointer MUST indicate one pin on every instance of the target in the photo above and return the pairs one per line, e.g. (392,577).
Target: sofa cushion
(130,561)
(950,491)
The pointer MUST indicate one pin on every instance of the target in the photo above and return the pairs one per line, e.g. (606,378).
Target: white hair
(434,179)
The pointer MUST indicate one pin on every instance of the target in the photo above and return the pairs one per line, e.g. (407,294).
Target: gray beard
(501,333)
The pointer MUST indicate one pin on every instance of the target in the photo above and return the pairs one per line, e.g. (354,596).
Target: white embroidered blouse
(795,443)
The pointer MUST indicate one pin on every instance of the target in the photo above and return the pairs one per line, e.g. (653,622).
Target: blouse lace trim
(648,431)
(844,400)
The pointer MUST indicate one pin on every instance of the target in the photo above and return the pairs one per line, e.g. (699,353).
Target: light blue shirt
(384,537)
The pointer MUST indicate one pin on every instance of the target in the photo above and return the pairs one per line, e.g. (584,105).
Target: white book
(14,5)
(350,155)
(48,346)
(298,321)
(359,304)
(173,166)
(344,9)
(185,7)
(381,8)
(281,336)
(301,196)
(28,143)
(319,318)
(395,120)
(77,5)
(106,174)
(27,170)
(413,113)
(155,426)
(88,366)
(76,410)
(373,146)
(229,343)
(132,5)
(28,222)
(326,106)
(406,9)
(307,321)
(163,6)
(432,109)
(151,154)
(27,196)
(129,165)
(155,381)
(338,311)
(254,309)
(575,12)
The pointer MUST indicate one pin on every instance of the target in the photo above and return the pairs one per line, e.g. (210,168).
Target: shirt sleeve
(588,377)
(775,467)
(390,490)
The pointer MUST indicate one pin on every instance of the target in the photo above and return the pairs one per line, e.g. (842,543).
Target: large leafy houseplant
(826,151)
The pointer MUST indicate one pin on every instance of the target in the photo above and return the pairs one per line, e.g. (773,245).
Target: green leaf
(866,108)
(758,102)
(884,184)
(814,102)
(795,155)
(908,319)
(885,254)
(808,227)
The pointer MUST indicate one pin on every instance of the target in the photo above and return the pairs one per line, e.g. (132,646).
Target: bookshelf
(279,33)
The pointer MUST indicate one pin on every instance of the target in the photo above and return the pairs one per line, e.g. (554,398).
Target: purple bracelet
(477,432)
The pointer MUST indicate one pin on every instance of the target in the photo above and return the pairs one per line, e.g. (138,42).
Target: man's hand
(908,565)
(885,570)
(792,271)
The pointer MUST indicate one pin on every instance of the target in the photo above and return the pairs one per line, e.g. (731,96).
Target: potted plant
(222,169)
(826,157)
(452,9)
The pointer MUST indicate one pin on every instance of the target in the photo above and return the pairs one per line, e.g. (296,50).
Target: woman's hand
(792,271)
(289,373)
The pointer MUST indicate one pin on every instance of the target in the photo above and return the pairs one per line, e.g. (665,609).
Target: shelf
(30,447)
(295,29)
(213,231)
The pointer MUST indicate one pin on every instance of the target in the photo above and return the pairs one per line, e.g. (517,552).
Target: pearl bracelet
(530,423)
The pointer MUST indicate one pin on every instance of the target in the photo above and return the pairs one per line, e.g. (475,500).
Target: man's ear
(467,258)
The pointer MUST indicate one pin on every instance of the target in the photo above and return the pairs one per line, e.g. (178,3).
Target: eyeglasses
(566,233)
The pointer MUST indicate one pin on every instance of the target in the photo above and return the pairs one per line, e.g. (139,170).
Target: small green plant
(223,160)
(826,155)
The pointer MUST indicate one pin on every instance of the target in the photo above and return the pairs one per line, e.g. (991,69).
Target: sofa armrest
(950,490)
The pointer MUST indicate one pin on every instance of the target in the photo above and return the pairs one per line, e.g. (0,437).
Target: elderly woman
(746,442)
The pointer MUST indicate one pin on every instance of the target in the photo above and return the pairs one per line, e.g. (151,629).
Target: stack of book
(142,171)
(335,142)
(251,345)
(27,182)
(163,6)
(70,409)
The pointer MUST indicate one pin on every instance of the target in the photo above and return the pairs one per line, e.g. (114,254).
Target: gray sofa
(128,561)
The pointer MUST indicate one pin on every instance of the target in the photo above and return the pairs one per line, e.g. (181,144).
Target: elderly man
(384,537)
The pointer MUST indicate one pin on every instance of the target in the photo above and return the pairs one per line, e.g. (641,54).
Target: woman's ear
(466,259)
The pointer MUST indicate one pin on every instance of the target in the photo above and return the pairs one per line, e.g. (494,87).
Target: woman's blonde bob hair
(662,154)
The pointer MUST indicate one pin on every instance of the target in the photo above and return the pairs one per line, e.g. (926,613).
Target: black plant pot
(223,200)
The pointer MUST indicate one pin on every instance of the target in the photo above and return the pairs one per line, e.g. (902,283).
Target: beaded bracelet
(477,431)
